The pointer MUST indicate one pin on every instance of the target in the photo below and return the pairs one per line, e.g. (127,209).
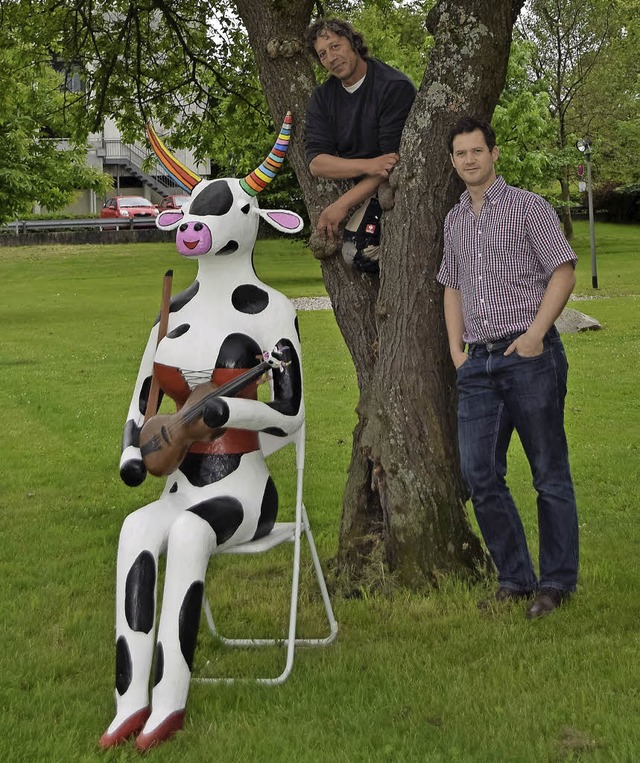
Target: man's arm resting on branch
(338,168)
(455,325)
(559,288)
(331,217)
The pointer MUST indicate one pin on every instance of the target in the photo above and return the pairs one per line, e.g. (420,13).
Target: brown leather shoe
(547,601)
(504,596)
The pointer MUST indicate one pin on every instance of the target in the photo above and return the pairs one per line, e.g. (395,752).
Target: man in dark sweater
(353,129)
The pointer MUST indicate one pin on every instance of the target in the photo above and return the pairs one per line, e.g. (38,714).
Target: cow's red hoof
(132,725)
(161,733)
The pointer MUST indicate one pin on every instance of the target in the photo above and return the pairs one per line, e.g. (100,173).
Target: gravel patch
(312,303)
(324,303)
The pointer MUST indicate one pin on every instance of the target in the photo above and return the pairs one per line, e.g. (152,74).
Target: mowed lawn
(413,677)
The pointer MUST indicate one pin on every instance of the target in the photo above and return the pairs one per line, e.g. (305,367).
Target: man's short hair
(338,26)
(471,124)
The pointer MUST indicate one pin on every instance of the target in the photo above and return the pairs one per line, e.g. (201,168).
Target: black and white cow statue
(221,494)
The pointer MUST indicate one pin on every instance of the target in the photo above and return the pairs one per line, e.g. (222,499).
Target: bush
(617,204)
(60,215)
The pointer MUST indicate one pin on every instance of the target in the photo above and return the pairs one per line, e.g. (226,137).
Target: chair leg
(333,624)
(302,524)
(257,642)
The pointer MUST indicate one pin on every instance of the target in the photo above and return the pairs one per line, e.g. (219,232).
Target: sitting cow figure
(221,493)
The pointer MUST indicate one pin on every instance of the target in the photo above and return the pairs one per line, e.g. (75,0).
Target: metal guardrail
(116,149)
(109,223)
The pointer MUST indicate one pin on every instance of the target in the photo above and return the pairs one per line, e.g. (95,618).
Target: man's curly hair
(342,28)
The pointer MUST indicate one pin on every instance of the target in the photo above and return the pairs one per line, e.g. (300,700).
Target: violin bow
(154,390)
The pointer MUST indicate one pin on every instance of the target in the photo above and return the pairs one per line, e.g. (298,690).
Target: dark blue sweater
(363,124)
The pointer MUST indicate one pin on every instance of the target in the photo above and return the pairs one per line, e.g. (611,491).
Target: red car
(128,206)
(173,202)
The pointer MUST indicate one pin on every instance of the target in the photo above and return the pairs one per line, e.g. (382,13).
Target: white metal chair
(281,533)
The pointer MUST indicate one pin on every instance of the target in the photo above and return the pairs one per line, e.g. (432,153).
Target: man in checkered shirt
(508,272)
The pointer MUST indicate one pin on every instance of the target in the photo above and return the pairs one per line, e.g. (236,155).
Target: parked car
(173,202)
(128,206)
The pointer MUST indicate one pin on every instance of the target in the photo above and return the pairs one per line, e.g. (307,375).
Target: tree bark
(563,179)
(403,508)
(567,222)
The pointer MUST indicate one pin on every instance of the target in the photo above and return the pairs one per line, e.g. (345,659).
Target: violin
(165,438)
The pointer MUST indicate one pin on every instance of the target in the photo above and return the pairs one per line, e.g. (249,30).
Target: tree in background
(192,69)
(396,33)
(608,108)
(569,38)
(524,127)
(34,115)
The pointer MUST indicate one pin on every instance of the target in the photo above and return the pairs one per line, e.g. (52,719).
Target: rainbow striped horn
(184,177)
(260,178)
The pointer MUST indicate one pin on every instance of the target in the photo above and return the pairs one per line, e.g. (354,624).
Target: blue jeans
(497,394)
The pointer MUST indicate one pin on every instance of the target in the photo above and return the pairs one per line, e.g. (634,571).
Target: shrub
(619,204)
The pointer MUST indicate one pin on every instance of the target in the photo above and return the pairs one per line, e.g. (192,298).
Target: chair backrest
(271,443)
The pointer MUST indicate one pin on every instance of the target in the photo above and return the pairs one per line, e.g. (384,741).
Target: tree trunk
(565,192)
(403,507)
(567,222)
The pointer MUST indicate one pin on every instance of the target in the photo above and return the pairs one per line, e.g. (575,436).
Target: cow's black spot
(189,621)
(123,666)
(131,434)
(249,299)
(206,468)
(287,385)
(268,510)
(181,299)
(178,331)
(275,431)
(159,669)
(245,209)
(238,351)
(139,591)
(174,488)
(223,514)
(214,199)
(229,248)
(143,397)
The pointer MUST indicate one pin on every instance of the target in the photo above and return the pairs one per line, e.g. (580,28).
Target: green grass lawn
(617,249)
(415,677)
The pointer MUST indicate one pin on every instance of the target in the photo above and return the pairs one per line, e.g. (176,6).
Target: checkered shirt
(502,260)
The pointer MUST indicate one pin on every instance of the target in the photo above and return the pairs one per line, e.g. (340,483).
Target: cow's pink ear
(282,220)
(169,219)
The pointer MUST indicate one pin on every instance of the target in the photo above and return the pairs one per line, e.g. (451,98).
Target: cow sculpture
(221,493)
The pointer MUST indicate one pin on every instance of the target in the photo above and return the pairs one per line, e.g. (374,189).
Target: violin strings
(194,412)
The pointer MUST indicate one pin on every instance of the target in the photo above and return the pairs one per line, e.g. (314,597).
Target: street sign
(580,170)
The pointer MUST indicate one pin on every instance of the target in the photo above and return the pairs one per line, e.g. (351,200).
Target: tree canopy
(34,115)
(580,54)
(189,66)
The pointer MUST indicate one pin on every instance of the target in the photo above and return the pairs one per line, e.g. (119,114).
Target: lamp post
(584,146)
